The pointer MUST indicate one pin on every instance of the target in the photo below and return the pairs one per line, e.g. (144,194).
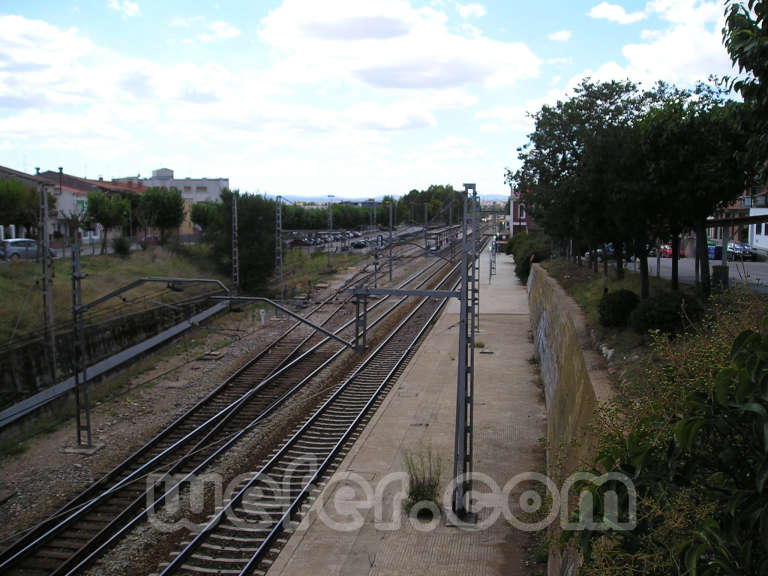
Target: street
(753,274)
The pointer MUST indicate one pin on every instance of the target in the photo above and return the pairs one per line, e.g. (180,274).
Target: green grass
(12,448)
(587,287)
(21,304)
(303,270)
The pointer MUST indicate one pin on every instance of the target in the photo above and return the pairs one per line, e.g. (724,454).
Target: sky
(354,98)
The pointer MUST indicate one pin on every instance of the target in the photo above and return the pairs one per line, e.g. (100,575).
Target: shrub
(122,246)
(615,307)
(665,312)
(525,246)
(423,468)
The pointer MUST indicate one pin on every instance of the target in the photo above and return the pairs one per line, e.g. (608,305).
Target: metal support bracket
(290,313)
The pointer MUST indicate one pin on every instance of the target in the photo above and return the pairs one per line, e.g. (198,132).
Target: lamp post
(330,226)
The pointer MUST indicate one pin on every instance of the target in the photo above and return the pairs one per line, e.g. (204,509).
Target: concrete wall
(574,380)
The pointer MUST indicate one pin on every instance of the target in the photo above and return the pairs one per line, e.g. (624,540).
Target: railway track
(244,535)
(104,511)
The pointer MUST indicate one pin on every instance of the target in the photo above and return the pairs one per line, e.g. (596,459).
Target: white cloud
(219,30)
(615,13)
(456,147)
(125,7)
(399,116)
(559,61)
(470,10)
(689,50)
(505,118)
(386,44)
(180,22)
(560,36)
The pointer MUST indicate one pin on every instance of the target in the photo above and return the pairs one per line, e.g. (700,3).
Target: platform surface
(345,534)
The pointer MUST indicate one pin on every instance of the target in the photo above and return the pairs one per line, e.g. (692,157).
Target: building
(517,221)
(193,190)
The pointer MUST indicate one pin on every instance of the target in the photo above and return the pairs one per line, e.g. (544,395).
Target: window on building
(521,212)
(188,191)
(759,229)
(202,190)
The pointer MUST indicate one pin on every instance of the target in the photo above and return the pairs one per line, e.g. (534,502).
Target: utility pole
(235,252)
(49,334)
(475,283)
(78,341)
(426,225)
(330,226)
(279,245)
(390,241)
(462,462)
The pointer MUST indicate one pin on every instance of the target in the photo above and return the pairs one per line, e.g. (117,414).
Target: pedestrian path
(357,525)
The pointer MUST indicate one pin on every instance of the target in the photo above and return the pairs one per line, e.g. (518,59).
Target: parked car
(359,244)
(740,251)
(18,248)
(666,251)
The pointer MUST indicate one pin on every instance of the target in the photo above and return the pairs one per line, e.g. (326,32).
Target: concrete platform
(358,526)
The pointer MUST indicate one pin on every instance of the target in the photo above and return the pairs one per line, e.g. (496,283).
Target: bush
(615,307)
(423,468)
(665,312)
(122,246)
(525,246)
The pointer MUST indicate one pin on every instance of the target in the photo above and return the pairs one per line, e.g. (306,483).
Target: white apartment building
(193,190)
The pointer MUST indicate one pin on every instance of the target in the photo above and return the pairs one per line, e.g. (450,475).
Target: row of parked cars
(736,251)
(20,249)
(320,239)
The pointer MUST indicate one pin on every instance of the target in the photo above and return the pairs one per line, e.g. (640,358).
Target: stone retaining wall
(574,381)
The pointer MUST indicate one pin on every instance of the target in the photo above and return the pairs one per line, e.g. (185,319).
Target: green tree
(256,241)
(745,36)
(14,202)
(567,187)
(695,145)
(162,208)
(109,211)
(204,214)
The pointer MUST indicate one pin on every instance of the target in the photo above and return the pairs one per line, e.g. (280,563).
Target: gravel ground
(148,403)
(44,477)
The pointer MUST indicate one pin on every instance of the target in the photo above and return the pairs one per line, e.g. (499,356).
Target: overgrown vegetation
(667,312)
(615,307)
(423,469)
(527,248)
(20,306)
(691,436)
(687,426)
(122,246)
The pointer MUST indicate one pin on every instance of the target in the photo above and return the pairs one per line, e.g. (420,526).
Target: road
(754,274)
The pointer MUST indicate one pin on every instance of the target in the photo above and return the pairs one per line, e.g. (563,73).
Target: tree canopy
(162,208)
(745,36)
(109,211)
(617,164)
(19,204)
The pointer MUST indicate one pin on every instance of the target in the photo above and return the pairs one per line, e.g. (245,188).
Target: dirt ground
(44,477)
(150,394)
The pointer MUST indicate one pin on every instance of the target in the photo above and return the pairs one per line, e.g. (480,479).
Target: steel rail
(123,523)
(98,490)
(82,504)
(189,548)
